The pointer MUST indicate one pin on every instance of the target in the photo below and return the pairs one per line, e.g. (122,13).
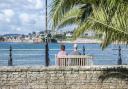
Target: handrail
(28,54)
(59,49)
(17,54)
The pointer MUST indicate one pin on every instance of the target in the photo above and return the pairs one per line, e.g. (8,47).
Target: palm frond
(82,28)
(59,8)
(107,16)
(115,28)
(71,17)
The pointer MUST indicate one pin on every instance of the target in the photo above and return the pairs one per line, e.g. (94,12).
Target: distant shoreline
(80,40)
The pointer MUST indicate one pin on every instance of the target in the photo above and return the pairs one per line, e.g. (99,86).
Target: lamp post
(46,38)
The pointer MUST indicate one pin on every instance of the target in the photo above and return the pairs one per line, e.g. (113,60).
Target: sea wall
(39,77)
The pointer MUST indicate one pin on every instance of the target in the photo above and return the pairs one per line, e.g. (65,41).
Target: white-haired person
(75,51)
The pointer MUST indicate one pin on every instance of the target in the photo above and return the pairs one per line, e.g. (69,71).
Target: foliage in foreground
(106,16)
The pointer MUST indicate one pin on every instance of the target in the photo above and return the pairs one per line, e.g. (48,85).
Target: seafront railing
(37,56)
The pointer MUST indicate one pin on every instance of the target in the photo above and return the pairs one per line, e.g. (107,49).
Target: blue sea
(34,53)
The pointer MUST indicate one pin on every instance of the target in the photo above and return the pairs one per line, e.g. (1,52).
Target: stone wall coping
(57,68)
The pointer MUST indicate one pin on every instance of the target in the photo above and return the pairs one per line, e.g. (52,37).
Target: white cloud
(8,20)
(39,4)
(30,1)
(8,13)
(36,4)
(18,29)
(1,17)
(4,19)
(24,18)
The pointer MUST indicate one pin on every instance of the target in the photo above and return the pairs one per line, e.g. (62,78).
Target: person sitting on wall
(61,53)
(75,51)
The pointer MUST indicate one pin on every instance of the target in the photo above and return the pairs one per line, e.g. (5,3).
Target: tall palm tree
(106,16)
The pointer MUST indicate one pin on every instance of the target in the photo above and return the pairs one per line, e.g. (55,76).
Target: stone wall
(39,77)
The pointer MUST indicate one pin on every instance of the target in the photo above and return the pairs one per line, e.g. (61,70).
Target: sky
(22,16)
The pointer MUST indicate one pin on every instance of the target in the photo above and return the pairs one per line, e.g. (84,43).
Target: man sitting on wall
(75,51)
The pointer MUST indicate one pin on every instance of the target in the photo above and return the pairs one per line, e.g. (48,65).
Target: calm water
(33,54)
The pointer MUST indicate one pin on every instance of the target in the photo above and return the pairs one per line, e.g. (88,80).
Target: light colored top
(61,53)
(75,46)
(75,53)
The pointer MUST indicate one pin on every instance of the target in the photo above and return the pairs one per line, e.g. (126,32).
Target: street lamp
(46,38)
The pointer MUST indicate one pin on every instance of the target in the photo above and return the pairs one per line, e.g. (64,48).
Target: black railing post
(46,39)
(10,57)
(83,50)
(119,56)
(46,52)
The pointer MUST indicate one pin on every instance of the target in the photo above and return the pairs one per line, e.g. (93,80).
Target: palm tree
(106,16)
(70,11)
